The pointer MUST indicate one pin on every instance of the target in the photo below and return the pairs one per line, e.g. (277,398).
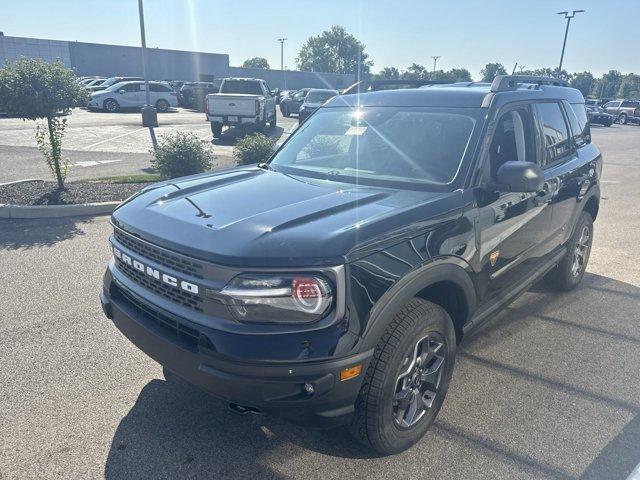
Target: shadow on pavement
(20,234)
(174,430)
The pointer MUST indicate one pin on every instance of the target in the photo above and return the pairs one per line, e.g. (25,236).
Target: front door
(512,227)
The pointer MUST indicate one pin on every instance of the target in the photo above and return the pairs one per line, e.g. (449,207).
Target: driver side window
(513,139)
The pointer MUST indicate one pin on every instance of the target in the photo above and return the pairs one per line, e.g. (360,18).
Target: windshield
(383,144)
(319,96)
(114,87)
(110,81)
(241,86)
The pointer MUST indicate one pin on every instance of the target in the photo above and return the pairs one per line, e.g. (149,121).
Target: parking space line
(112,138)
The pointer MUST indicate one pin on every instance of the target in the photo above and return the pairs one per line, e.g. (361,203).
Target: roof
(458,95)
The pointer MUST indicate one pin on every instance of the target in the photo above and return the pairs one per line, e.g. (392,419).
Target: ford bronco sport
(332,284)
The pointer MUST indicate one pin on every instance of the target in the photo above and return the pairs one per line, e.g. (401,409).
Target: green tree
(335,51)
(583,81)
(33,89)
(629,86)
(388,73)
(415,71)
(460,74)
(608,85)
(490,70)
(256,62)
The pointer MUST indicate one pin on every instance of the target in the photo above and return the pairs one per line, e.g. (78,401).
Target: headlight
(282,298)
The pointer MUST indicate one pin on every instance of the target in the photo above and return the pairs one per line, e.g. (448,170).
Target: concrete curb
(56,211)
(15,182)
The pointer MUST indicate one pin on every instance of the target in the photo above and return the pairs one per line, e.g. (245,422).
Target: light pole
(284,75)
(568,16)
(149,114)
(435,60)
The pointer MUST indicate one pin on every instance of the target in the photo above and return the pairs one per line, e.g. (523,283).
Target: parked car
(192,94)
(112,81)
(133,95)
(292,103)
(314,100)
(333,284)
(242,102)
(624,111)
(95,82)
(597,116)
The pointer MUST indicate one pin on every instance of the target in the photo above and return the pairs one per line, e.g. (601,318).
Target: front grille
(167,291)
(162,257)
(179,332)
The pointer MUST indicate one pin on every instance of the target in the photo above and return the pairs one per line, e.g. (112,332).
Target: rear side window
(156,87)
(555,133)
(628,104)
(577,115)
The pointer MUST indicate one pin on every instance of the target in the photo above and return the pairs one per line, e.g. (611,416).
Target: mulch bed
(47,193)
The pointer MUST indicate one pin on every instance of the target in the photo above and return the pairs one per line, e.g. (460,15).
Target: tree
(459,74)
(415,71)
(583,81)
(32,89)
(334,51)
(608,85)
(256,62)
(490,70)
(388,73)
(629,86)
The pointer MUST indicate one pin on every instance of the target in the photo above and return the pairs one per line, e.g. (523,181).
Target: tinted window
(156,87)
(381,144)
(629,104)
(577,114)
(131,87)
(242,87)
(513,139)
(555,134)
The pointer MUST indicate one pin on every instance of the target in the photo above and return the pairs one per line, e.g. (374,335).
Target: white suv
(133,95)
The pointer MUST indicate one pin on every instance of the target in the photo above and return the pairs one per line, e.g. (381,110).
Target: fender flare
(450,269)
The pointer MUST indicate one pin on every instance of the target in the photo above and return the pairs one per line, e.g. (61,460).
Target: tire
(382,419)
(285,110)
(273,121)
(569,272)
(216,129)
(622,119)
(110,105)
(162,105)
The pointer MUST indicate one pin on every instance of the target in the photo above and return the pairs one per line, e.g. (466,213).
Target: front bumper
(274,388)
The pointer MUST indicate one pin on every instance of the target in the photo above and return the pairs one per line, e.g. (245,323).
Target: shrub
(181,154)
(254,148)
(33,89)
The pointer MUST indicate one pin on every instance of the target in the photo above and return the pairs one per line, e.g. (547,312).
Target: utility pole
(435,60)
(284,75)
(568,16)
(149,114)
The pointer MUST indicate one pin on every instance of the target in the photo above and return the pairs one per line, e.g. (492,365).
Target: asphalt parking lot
(549,389)
(99,144)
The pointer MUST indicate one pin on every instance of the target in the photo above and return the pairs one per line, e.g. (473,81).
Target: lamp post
(284,75)
(435,60)
(568,16)
(149,114)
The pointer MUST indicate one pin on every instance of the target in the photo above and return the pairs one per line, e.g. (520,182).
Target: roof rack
(503,83)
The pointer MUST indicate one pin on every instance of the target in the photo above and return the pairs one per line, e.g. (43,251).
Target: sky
(465,33)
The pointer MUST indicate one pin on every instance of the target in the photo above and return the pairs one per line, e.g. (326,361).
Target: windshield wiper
(264,166)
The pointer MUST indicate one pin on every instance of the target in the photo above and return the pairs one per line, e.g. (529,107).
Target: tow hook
(244,409)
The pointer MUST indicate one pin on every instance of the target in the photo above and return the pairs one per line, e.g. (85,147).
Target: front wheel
(407,380)
(285,110)
(569,272)
(110,105)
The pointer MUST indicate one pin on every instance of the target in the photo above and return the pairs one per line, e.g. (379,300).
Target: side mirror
(121,92)
(520,177)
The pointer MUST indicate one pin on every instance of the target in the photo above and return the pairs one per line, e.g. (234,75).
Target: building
(88,59)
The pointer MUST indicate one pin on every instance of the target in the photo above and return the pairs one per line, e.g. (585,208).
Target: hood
(254,217)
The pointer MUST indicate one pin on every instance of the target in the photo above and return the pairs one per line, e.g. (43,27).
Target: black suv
(332,284)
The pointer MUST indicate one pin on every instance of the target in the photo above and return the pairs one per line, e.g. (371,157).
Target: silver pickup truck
(241,102)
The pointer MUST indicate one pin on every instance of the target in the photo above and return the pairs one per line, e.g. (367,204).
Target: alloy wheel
(581,251)
(418,384)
